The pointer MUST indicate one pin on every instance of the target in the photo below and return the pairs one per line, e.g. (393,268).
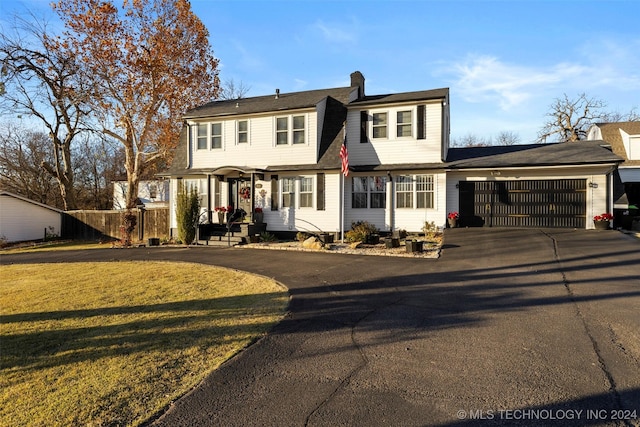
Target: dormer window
(403,124)
(298,129)
(379,125)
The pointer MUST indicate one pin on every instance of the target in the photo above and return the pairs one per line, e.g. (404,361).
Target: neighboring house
(624,138)
(22,219)
(281,153)
(151,193)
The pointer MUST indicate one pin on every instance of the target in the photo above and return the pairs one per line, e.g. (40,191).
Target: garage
(523,203)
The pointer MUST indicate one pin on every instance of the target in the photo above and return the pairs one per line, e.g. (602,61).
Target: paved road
(508,327)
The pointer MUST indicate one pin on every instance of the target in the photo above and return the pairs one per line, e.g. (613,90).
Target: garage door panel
(523,203)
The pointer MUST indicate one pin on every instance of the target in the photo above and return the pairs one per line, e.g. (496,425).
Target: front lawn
(114,343)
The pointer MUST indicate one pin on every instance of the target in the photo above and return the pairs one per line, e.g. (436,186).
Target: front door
(240,195)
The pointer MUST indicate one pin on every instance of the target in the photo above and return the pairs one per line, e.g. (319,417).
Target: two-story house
(281,153)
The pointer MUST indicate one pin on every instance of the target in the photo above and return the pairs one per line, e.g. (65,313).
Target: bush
(187,213)
(301,236)
(267,237)
(430,230)
(360,231)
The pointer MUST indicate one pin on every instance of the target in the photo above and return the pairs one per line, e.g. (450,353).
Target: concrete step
(224,241)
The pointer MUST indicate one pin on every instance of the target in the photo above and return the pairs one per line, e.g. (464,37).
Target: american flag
(344,155)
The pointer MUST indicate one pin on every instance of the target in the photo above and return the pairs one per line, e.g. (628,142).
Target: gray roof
(269,103)
(567,153)
(401,97)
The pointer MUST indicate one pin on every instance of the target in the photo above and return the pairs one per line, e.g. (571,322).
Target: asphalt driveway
(525,327)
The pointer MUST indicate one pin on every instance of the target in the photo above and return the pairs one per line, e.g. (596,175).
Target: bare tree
(616,116)
(21,154)
(471,140)
(507,138)
(42,81)
(570,119)
(232,90)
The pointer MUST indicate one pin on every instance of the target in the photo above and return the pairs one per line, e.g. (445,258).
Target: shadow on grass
(125,330)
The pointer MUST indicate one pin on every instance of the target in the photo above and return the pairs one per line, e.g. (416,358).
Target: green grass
(114,343)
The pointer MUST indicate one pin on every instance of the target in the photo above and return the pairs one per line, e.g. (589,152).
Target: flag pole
(342,209)
(344,171)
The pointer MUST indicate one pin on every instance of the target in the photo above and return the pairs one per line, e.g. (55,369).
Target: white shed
(23,219)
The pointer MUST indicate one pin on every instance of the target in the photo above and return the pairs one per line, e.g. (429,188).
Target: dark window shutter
(364,116)
(320,192)
(275,195)
(422,132)
(216,193)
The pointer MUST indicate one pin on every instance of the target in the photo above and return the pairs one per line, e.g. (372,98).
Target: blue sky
(504,61)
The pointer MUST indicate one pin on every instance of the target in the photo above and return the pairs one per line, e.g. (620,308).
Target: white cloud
(485,78)
(336,33)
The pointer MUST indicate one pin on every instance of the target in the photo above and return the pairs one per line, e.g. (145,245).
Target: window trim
(374,126)
(369,191)
(291,193)
(410,124)
(204,137)
(290,131)
(211,135)
(247,132)
(310,193)
(414,190)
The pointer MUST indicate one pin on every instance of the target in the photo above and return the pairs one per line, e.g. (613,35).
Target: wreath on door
(244,192)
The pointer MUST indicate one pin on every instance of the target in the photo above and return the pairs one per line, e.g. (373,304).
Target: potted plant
(452,218)
(258,215)
(602,221)
(221,210)
(414,245)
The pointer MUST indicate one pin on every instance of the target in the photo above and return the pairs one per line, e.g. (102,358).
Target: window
(216,135)
(424,191)
(288,192)
(282,131)
(403,124)
(359,192)
(379,125)
(404,191)
(243,131)
(290,130)
(202,137)
(369,192)
(378,192)
(306,192)
(153,191)
(298,129)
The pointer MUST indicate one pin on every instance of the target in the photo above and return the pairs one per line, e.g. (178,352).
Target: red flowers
(453,215)
(603,217)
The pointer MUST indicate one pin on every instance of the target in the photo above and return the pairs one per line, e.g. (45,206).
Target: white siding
(394,150)
(261,149)
(145,190)
(392,218)
(298,218)
(21,220)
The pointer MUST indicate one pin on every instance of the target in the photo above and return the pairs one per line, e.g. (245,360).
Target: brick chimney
(357,80)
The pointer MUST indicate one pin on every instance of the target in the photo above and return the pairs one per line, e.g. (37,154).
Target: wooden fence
(105,225)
